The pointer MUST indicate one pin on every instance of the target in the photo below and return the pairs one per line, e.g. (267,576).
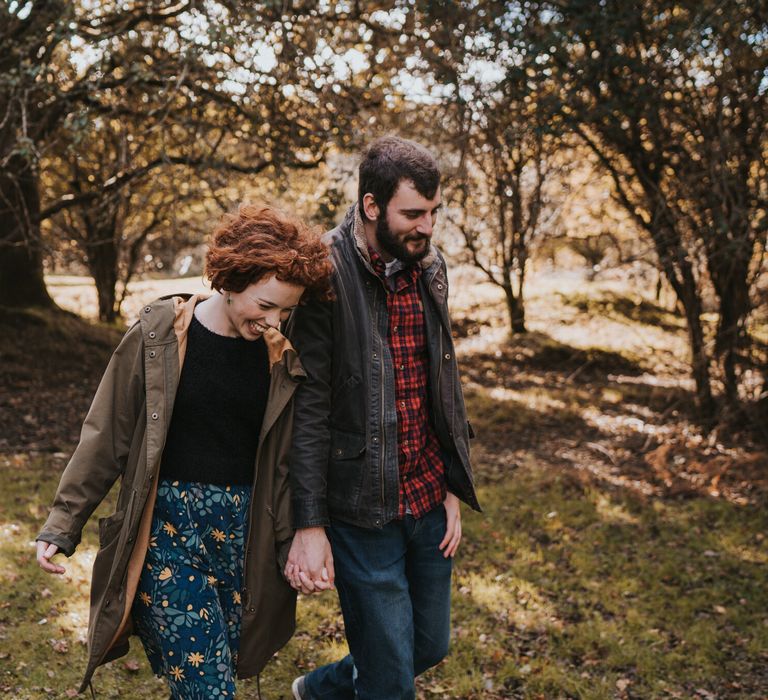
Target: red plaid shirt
(422,472)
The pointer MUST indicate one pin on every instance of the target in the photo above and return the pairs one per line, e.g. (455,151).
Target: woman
(194,414)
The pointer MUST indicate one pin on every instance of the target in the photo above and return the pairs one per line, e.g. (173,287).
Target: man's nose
(425,225)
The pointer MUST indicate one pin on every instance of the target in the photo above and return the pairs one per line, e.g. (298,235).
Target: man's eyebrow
(421,211)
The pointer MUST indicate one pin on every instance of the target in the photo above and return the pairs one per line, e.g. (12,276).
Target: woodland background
(605,219)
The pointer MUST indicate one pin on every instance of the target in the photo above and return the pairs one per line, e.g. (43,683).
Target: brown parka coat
(123,436)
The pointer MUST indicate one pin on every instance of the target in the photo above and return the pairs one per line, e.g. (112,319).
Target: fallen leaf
(60,646)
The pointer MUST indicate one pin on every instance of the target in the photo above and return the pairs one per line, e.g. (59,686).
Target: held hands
(45,552)
(450,542)
(310,562)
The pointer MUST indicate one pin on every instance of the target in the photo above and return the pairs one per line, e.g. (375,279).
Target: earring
(229,298)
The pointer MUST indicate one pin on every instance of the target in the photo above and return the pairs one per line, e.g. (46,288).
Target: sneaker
(297,688)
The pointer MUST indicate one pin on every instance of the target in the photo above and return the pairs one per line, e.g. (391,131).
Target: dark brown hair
(260,241)
(386,162)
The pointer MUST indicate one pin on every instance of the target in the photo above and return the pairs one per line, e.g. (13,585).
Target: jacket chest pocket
(346,466)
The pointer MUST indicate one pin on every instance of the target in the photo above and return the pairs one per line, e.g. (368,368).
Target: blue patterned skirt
(187,608)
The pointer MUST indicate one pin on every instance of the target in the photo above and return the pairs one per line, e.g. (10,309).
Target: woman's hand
(310,561)
(45,552)
(450,542)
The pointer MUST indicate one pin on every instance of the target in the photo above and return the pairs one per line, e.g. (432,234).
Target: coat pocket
(109,539)
(346,467)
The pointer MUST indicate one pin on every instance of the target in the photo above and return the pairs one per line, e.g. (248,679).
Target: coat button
(339,453)
(152,334)
(155,416)
(147,309)
(152,353)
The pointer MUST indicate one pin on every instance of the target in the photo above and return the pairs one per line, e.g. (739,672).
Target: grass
(585,577)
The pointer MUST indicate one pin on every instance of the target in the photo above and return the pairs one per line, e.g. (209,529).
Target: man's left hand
(450,542)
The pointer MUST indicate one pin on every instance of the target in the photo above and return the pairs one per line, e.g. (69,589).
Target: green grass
(561,591)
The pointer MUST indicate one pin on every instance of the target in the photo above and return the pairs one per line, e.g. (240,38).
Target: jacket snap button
(375,439)
(154,416)
(152,353)
(152,334)
(338,453)
(439,286)
(447,356)
(147,309)
(375,356)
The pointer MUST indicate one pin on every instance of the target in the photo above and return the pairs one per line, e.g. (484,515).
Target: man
(380,454)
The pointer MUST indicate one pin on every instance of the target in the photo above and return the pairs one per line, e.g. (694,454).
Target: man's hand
(45,551)
(310,562)
(450,542)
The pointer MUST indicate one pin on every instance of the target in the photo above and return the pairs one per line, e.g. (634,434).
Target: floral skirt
(187,609)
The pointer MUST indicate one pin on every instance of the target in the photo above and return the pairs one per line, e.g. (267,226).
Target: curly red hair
(260,241)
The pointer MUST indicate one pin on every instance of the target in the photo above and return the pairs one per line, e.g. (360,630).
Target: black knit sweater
(219,409)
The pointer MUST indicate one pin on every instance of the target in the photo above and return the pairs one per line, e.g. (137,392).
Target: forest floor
(621,553)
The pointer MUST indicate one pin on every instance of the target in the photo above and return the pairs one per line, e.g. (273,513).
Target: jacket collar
(279,347)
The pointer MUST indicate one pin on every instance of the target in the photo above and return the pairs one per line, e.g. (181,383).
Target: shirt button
(152,334)
(147,309)
(152,353)
(402,404)
(374,439)
(155,416)
(402,367)
(394,330)
(375,356)
(339,453)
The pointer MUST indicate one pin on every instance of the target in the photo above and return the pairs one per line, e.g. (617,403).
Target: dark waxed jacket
(344,455)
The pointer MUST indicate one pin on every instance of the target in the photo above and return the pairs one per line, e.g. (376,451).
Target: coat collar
(157,331)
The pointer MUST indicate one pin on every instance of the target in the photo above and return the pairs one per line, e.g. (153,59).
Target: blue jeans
(395,590)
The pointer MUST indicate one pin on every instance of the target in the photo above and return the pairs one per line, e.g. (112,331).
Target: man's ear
(370,207)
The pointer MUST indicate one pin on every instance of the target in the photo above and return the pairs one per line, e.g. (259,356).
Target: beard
(396,246)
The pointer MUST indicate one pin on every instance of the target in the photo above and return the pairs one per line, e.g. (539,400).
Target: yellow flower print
(195,659)
(204,613)
(177,673)
(144,597)
(236,597)
(164,574)
(170,529)
(218,535)
(211,580)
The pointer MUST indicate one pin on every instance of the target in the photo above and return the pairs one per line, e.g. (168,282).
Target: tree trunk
(700,361)
(21,261)
(102,264)
(516,311)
